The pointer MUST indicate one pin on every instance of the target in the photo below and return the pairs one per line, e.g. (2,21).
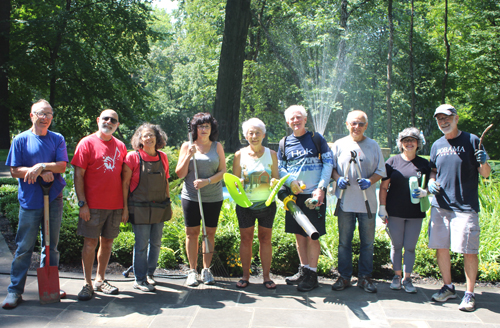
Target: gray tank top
(208,165)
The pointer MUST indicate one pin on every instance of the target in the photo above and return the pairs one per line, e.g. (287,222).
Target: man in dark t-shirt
(456,161)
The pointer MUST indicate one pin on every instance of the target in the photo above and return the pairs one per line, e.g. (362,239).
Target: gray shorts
(105,223)
(457,231)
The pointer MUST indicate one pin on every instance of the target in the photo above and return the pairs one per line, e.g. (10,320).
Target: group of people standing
(113,186)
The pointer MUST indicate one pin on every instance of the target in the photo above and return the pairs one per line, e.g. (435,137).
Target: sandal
(269,284)
(243,283)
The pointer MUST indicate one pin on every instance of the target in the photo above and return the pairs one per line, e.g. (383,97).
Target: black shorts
(316,217)
(246,216)
(192,216)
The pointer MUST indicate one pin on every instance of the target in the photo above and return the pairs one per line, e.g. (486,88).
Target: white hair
(293,108)
(255,122)
(356,112)
(412,133)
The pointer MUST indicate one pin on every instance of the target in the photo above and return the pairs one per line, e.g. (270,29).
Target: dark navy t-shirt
(456,172)
(399,171)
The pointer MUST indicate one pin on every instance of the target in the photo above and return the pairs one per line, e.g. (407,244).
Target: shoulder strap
(282,149)
(317,142)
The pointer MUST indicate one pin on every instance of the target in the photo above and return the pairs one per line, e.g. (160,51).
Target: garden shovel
(48,276)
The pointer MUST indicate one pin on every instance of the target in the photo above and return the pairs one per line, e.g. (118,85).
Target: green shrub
(70,244)
(11,212)
(167,259)
(8,181)
(325,265)
(123,248)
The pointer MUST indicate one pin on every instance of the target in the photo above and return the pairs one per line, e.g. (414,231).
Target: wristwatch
(323,189)
(81,203)
(43,166)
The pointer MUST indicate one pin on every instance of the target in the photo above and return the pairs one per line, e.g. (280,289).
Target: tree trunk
(412,74)
(447,45)
(5,7)
(228,95)
(389,76)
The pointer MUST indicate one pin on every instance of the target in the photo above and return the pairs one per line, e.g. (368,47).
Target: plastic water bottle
(413,185)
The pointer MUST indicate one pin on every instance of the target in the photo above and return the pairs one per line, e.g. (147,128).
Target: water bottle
(413,182)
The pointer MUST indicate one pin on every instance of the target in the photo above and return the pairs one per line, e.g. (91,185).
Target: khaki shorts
(457,231)
(105,223)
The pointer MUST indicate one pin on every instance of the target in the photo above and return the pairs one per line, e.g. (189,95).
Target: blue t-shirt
(28,149)
(302,161)
(456,172)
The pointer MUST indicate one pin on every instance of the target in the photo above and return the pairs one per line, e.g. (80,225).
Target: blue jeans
(146,258)
(30,222)
(366,227)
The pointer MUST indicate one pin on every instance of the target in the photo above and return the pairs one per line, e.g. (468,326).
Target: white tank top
(257,175)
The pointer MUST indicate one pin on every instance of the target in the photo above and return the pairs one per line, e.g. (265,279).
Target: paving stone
(433,315)
(298,318)
(212,297)
(366,314)
(23,321)
(229,316)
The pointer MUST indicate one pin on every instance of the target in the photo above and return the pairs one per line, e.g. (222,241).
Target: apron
(148,203)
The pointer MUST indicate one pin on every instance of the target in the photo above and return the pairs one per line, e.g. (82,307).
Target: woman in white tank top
(256,165)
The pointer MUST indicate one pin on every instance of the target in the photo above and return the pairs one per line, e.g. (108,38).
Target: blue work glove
(434,187)
(342,183)
(364,184)
(419,193)
(480,156)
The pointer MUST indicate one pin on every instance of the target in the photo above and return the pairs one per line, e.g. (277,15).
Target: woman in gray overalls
(146,200)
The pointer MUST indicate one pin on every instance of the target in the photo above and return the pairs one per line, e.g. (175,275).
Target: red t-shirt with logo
(102,162)
(133,162)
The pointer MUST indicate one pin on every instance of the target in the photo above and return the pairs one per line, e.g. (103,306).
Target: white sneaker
(192,279)
(11,301)
(150,280)
(144,286)
(207,277)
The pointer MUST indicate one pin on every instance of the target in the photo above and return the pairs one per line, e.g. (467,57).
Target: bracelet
(209,181)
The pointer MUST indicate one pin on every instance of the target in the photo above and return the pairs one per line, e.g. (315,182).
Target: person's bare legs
(88,255)
(192,234)
(103,255)
(266,252)
(301,244)
(313,251)
(471,263)
(207,257)
(246,252)
(444,263)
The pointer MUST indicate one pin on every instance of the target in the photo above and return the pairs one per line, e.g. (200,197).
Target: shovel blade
(48,284)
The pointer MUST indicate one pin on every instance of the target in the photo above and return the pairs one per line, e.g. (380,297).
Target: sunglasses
(360,124)
(111,119)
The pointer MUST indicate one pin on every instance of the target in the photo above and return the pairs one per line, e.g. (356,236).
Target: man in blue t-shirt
(300,157)
(36,155)
(456,161)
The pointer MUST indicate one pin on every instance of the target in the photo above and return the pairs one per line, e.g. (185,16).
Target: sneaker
(296,278)
(444,294)
(150,280)
(86,293)
(207,277)
(192,278)
(408,286)
(105,287)
(468,303)
(144,286)
(12,300)
(396,282)
(341,284)
(367,284)
(309,282)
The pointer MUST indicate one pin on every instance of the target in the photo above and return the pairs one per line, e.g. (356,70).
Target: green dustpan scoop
(235,189)
(276,189)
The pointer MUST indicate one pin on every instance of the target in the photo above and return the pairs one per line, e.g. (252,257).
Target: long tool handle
(346,176)
(205,237)
(368,210)
(46,226)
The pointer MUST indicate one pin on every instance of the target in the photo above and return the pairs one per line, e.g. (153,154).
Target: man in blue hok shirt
(307,157)
(36,154)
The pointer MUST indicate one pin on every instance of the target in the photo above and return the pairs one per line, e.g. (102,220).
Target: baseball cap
(445,109)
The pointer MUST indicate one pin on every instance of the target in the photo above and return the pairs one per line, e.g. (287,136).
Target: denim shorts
(105,223)
(457,231)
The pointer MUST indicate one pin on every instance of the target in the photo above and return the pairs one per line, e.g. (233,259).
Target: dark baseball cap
(446,110)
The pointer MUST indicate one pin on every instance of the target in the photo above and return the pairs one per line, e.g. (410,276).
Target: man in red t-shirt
(98,164)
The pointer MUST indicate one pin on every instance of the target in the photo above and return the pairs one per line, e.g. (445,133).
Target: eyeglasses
(204,127)
(111,119)
(407,140)
(41,114)
(360,124)
(147,136)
